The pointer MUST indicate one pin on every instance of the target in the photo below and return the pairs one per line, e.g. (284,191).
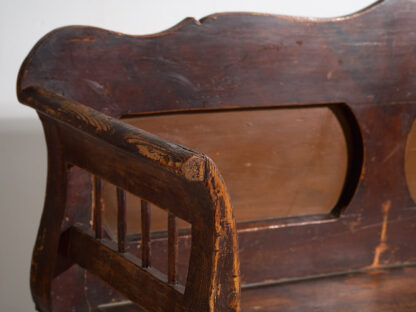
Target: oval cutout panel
(410,161)
(276,162)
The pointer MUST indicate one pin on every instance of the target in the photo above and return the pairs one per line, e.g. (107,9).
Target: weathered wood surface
(292,177)
(190,188)
(378,291)
(82,79)
(123,272)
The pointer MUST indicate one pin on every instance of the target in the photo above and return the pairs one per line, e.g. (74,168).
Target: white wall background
(22,150)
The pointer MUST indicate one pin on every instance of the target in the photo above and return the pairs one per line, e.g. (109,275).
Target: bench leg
(45,253)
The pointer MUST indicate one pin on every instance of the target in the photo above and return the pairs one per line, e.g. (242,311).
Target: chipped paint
(194,169)
(151,151)
(390,155)
(225,233)
(353,225)
(382,246)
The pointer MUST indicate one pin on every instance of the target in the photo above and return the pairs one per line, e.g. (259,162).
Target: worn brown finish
(45,252)
(291,177)
(84,82)
(183,169)
(375,291)
(103,259)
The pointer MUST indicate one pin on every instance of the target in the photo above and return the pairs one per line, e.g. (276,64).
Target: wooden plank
(45,259)
(124,272)
(377,291)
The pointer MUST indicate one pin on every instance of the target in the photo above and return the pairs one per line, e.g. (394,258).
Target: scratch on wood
(382,246)
(83,39)
(94,84)
(393,151)
(364,44)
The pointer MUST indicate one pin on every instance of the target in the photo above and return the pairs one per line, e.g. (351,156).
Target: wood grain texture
(196,193)
(382,290)
(45,253)
(292,177)
(132,280)
(81,80)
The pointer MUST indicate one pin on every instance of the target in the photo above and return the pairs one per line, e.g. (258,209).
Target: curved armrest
(178,165)
(175,178)
(137,142)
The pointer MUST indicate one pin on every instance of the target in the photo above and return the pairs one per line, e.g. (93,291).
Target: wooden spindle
(98,207)
(172,248)
(121,220)
(145,234)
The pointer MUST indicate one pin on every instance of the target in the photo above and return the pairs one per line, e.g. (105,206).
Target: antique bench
(309,123)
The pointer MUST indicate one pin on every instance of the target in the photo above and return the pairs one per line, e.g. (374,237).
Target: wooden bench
(300,128)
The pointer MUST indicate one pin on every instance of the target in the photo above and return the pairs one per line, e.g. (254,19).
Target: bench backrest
(358,70)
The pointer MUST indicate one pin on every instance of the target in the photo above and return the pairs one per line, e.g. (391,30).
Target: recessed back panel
(410,161)
(276,163)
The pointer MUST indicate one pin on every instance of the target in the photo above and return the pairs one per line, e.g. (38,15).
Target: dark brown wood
(121,220)
(172,248)
(84,82)
(145,233)
(159,215)
(380,290)
(182,191)
(132,280)
(292,178)
(98,207)
(45,253)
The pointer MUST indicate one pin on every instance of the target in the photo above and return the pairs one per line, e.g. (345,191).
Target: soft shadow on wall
(22,184)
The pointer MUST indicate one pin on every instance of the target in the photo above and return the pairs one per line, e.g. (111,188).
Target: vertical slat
(121,220)
(98,208)
(172,248)
(145,234)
